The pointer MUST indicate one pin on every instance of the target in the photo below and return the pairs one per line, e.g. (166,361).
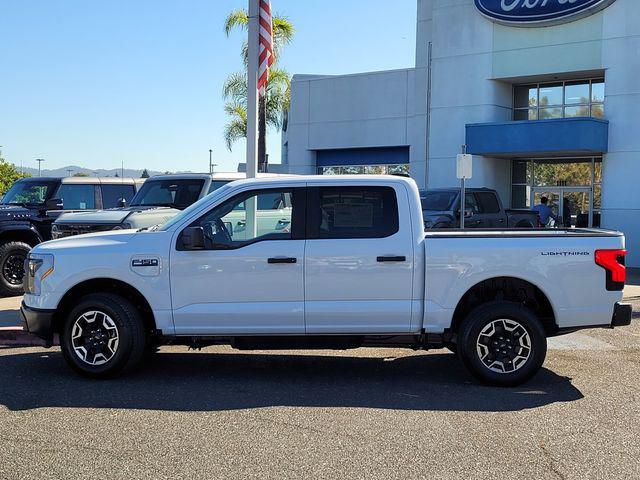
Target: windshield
(168,193)
(27,193)
(437,201)
(193,208)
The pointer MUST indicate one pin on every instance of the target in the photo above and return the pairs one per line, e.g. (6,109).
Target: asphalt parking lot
(360,414)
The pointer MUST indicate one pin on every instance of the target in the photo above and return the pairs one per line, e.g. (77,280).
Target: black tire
(497,355)
(12,257)
(129,330)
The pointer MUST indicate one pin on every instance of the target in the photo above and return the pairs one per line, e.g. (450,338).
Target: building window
(573,186)
(402,169)
(542,101)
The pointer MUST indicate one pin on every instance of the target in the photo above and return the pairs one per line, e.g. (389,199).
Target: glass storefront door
(571,205)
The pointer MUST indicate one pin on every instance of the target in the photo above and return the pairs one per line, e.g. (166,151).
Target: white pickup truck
(349,266)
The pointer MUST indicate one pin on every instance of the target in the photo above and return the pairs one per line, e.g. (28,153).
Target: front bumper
(38,322)
(622,314)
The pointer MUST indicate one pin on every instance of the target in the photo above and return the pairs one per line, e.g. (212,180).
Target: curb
(17,337)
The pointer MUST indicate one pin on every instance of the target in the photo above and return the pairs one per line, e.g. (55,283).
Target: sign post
(464,170)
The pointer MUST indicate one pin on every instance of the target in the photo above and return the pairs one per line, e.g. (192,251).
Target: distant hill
(64,172)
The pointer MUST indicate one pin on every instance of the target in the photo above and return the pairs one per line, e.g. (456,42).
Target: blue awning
(543,138)
(363,156)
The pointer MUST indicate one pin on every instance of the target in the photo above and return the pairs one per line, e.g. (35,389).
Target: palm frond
(236,128)
(235,87)
(236,19)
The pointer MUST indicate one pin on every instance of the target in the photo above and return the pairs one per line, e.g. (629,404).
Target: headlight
(39,267)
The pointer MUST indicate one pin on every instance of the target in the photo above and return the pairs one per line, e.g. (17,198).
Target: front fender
(26,230)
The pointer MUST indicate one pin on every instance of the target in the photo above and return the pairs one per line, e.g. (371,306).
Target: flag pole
(252,88)
(252,112)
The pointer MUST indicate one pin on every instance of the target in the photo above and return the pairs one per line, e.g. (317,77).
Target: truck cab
(31,205)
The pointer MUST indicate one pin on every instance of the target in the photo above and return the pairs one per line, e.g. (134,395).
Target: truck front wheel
(12,258)
(103,336)
(502,344)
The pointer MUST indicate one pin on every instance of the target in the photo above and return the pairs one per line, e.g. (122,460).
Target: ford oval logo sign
(538,12)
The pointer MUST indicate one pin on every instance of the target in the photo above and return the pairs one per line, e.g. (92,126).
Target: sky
(95,84)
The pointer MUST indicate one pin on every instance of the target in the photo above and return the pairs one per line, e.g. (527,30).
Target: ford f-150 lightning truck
(347,264)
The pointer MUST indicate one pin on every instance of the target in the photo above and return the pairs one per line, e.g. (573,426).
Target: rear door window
(488,202)
(352,212)
(111,194)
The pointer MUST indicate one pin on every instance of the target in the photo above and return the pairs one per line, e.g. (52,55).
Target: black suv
(31,205)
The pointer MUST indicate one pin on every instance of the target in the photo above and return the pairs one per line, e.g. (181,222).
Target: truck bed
(520,232)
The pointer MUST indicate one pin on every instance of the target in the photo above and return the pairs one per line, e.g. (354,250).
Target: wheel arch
(507,288)
(105,285)
(29,236)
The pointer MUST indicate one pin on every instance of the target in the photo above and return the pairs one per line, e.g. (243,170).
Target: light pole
(39,160)
(69,170)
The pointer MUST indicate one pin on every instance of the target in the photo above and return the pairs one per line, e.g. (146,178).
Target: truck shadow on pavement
(231,381)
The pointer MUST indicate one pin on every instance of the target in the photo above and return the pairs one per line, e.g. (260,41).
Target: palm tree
(273,105)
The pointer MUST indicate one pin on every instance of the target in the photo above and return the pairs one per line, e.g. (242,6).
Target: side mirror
(468,213)
(54,204)
(122,203)
(193,238)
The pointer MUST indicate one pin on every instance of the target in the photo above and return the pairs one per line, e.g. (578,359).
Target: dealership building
(544,93)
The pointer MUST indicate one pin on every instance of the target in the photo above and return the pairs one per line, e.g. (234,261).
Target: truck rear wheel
(103,336)
(502,344)
(12,258)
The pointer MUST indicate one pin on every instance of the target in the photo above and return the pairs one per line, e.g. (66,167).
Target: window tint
(216,184)
(470,203)
(27,192)
(225,227)
(488,202)
(437,200)
(76,196)
(168,193)
(111,194)
(354,212)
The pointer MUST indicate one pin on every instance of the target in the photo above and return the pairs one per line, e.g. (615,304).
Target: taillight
(613,262)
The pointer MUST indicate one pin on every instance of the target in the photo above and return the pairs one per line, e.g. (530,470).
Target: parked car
(31,205)
(160,198)
(351,266)
(483,209)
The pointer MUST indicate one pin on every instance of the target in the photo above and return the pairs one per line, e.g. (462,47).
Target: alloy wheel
(95,337)
(504,346)
(13,268)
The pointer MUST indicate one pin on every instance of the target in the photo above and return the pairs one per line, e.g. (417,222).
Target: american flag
(266,45)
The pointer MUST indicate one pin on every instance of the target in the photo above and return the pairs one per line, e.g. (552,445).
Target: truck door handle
(392,259)
(282,260)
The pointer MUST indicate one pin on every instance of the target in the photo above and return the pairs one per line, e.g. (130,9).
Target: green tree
(80,174)
(145,174)
(8,174)
(273,106)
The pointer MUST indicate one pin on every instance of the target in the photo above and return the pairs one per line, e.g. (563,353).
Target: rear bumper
(38,322)
(622,314)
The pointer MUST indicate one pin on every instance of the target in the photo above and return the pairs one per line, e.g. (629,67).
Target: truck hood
(108,217)
(90,240)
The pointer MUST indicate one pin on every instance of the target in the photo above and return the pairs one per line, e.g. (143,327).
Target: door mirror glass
(54,204)
(193,238)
